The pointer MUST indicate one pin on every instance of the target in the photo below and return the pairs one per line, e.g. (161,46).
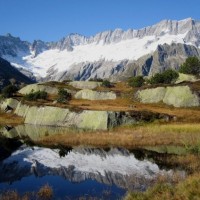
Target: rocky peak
(11,46)
(38,47)
(69,41)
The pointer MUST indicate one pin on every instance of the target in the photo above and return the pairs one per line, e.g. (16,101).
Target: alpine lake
(80,172)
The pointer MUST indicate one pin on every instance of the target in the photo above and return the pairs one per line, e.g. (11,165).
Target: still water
(74,173)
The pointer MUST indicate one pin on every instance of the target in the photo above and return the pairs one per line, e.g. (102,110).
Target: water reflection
(72,172)
(34,132)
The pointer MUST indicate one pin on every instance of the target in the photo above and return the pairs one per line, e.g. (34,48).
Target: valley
(169,134)
(115,115)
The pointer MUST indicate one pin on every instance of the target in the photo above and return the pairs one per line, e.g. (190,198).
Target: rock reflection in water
(34,132)
(78,169)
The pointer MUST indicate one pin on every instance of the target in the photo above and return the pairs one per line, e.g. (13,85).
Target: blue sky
(50,20)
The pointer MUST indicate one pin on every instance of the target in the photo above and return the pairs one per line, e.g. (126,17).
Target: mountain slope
(8,72)
(164,57)
(105,51)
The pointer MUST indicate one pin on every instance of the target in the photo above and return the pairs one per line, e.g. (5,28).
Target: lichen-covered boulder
(181,96)
(85,84)
(38,87)
(85,119)
(186,77)
(153,95)
(94,95)
(94,120)
(178,96)
(9,104)
(54,116)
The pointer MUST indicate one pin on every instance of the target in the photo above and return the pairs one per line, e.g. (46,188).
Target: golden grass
(182,114)
(119,87)
(137,136)
(189,189)
(10,119)
(126,104)
(120,104)
(44,193)
(189,162)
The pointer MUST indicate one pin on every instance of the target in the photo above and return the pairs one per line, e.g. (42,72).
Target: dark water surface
(74,173)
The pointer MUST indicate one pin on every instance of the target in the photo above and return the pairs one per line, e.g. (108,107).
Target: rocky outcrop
(85,84)
(94,95)
(181,96)
(54,116)
(85,119)
(178,96)
(9,104)
(38,87)
(186,77)
(114,54)
(164,57)
(154,95)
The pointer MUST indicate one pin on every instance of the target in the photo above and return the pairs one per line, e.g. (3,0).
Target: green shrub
(67,81)
(137,81)
(170,76)
(157,78)
(63,96)
(33,96)
(190,66)
(107,84)
(96,79)
(166,77)
(9,90)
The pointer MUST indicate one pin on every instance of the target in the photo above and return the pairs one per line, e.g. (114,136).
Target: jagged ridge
(108,52)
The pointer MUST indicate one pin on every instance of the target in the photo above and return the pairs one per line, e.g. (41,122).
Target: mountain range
(115,54)
(116,167)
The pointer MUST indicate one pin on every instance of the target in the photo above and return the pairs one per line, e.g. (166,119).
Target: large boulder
(181,96)
(154,95)
(85,84)
(54,116)
(38,87)
(94,95)
(178,96)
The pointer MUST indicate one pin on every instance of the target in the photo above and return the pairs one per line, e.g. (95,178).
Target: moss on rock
(186,77)
(38,87)
(154,95)
(11,103)
(178,96)
(181,96)
(85,84)
(93,95)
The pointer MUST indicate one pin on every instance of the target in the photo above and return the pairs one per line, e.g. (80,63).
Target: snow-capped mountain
(108,54)
(116,167)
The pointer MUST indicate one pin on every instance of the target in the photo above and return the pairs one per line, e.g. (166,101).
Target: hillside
(8,72)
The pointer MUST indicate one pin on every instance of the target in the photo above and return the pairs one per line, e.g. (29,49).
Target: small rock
(9,111)
(55,102)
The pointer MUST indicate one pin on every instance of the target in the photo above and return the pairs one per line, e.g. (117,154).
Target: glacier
(75,53)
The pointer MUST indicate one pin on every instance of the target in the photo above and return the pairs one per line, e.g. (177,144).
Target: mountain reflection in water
(78,172)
